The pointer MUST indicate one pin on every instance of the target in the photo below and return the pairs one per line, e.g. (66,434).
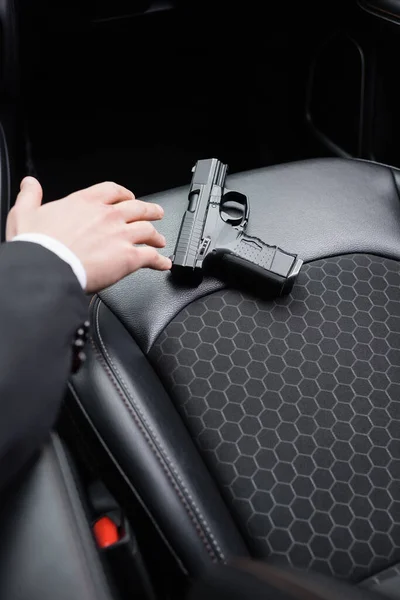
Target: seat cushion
(295,406)
(265,427)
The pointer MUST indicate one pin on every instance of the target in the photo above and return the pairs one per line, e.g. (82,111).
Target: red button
(105,532)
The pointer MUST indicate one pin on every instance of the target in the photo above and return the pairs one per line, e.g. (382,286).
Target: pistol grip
(256,258)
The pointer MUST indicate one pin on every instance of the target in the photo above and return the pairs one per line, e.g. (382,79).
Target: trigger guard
(239,199)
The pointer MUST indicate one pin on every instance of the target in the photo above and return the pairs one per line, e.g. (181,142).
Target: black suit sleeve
(41,306)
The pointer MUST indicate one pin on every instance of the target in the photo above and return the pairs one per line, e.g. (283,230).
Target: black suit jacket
(41,306)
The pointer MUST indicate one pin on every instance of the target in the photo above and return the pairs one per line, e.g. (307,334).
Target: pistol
(213,235)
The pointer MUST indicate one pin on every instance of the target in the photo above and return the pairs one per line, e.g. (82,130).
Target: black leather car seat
(265,428)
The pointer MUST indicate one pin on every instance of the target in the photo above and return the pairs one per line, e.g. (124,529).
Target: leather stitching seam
(134,410)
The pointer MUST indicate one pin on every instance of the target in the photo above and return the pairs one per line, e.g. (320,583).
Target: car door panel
(387,9)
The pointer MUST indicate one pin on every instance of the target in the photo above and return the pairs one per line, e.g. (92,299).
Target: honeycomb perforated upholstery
(295,405)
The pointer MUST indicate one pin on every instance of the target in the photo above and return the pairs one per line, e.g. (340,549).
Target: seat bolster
(127,406)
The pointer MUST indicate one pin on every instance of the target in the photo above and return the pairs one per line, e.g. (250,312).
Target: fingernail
(161,209)
(27,181)
(164,241)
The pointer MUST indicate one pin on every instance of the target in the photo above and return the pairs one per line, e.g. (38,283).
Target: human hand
(100,224)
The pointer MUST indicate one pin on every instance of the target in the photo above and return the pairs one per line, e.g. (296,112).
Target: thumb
(31,194)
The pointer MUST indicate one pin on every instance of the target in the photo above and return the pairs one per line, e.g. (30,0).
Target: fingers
(137,210)
(106,193)
(143,232)
(146,257)
(31,194)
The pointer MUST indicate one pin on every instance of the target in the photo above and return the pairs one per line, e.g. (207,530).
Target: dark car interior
(207,424)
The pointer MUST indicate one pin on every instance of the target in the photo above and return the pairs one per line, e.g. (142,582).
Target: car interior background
(206,423)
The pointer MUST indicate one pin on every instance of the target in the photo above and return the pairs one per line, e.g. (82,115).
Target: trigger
(230,219)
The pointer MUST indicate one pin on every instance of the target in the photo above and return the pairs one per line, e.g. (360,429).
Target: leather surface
(387,9)
(316,208)
(386,583)
(250,579)
(47,550)
(131,410)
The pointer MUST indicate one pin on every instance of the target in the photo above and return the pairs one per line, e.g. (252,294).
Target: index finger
(138,210)
(107,192)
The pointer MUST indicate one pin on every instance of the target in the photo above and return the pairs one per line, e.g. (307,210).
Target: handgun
(213,234)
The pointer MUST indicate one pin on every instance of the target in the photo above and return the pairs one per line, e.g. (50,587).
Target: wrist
(60,249)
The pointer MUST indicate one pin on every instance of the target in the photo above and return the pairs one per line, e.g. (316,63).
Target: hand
(100,224)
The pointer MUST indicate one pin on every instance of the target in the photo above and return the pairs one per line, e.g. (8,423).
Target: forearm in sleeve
(41,306)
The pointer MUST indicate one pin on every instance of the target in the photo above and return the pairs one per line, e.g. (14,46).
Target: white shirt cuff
(58,248)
